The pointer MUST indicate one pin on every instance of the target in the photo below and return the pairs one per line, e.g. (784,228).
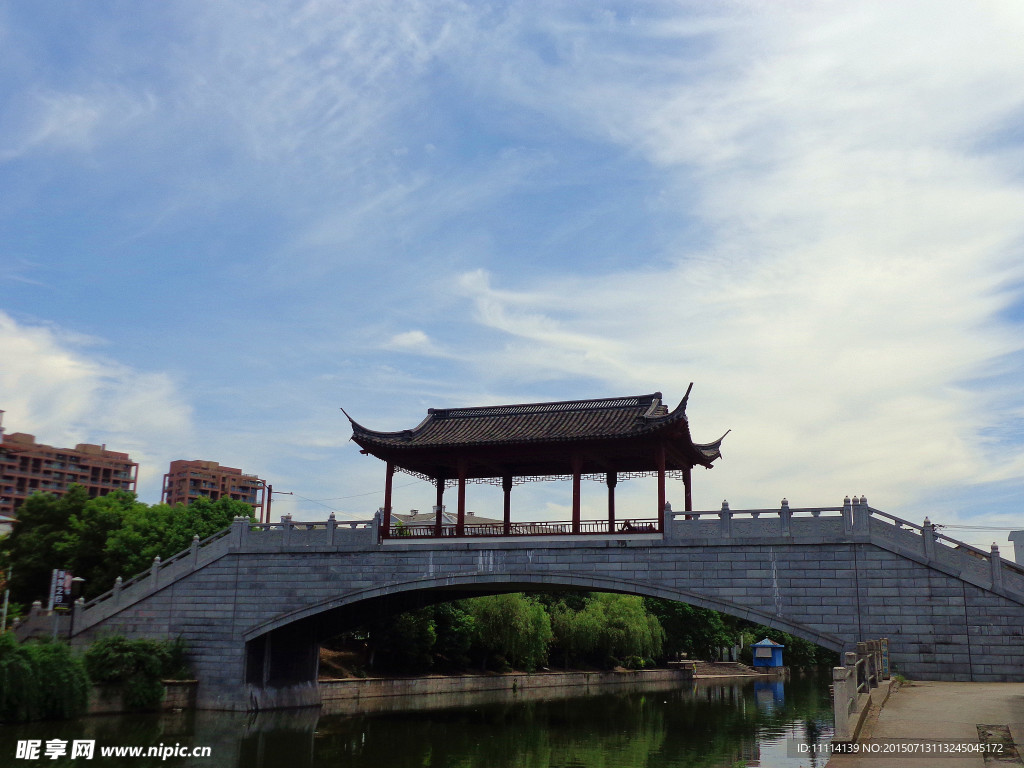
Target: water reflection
(663,725)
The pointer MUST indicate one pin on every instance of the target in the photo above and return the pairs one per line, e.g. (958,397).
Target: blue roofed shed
(767,653)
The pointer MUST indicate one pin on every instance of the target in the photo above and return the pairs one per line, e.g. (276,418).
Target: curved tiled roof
(611,426)
(530,422)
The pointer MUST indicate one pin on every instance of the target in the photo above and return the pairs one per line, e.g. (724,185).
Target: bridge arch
(524,581)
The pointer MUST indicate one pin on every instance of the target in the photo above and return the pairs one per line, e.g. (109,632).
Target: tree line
(101,538)
(569,630)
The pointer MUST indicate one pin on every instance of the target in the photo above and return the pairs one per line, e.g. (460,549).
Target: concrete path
(943,713)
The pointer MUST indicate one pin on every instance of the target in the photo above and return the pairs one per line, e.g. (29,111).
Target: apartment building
(27,466)
(186,481)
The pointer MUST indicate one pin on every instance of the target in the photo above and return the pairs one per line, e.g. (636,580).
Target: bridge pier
(281,669)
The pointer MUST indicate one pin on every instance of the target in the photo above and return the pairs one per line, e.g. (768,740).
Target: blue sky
(222,222)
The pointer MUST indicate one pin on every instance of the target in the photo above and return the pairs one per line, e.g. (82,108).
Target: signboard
(60,590)
(885,657)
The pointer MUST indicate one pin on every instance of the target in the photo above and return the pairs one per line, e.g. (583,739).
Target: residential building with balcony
(27,466)
(187,480)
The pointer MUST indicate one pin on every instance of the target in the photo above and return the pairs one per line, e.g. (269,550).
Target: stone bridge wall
(835,579)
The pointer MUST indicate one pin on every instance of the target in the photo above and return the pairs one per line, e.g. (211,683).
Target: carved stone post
(995,561)
(154,573)
(725,518)
(241,528)
(928,534)
(786,518)
(286,533)
(841,703)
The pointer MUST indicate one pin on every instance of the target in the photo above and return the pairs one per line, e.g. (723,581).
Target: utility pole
(270,498)
(7,595)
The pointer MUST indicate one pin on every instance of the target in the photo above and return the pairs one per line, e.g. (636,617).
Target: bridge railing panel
(969,562)
(543,528)
(852,684)
(161,572)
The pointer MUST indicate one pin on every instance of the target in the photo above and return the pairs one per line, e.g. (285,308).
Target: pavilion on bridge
(604,439)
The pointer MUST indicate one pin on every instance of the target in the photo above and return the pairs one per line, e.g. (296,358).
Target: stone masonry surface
(832,579)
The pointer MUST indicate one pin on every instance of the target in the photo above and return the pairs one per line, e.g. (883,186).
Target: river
(680,725)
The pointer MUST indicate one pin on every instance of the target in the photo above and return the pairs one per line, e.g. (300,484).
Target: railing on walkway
(852,684)
(553,528)
(982,567)
(200,552)
(854,520)
(159,565)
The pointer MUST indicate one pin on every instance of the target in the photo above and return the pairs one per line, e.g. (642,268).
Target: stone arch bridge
(254,601)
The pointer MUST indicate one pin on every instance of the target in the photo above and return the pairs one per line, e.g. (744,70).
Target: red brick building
(27,466)
(188,480)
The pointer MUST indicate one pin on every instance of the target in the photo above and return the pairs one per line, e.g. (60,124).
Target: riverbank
(349,695)
(956,718)
(364,696)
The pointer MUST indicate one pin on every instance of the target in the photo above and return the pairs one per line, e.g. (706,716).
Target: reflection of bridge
(254,601)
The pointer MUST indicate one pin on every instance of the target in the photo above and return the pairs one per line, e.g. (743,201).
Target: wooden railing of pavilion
(554,528)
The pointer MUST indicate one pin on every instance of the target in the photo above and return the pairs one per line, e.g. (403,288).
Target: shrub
(138,666)
(18,692)
(61,680)
(40,681)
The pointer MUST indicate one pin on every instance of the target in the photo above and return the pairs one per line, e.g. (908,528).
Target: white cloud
(864,249)
(54,385)
(415,342)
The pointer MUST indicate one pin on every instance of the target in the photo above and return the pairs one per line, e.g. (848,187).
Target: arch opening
(284,651)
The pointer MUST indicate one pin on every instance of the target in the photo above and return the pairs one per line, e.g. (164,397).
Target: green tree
(577,633)
(403,642)
(511,630)
(610,629)
(102,538)
(455,629)
(84,546)
(34,546)
(697,632)
(161,531)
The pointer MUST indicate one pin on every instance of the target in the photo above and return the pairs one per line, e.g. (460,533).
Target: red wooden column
(460,522)
(577,469)
(612,479)
(688,490)
(439,506)
(389,473)
(660,458)
(506,486)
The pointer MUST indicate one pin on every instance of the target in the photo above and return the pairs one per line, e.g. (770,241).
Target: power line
(339,511)
(371,493)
